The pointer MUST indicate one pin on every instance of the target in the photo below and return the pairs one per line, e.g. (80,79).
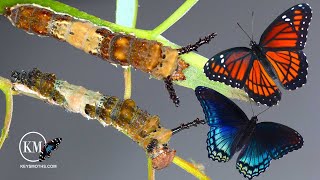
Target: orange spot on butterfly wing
(297,18)
(297,12)
(296,23)
(215,68)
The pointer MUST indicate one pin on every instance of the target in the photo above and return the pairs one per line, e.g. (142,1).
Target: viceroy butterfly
(278,55)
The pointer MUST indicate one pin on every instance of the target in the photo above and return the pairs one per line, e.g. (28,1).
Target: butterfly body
(231,131)
(260,53)
(247,133)
(277,56)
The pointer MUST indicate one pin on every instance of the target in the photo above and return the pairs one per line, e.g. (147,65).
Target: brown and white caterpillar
(125,115)
(117,48)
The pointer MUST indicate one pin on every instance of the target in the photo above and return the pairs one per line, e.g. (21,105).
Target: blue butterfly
(48,148)
(231,131)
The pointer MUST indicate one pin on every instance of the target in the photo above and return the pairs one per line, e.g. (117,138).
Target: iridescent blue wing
(226,121)
(253,159)
(218,109)
(268,141)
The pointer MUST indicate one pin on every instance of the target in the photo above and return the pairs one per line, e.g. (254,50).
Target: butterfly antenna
(183,126)
(245,32)
(263,111)
(252,24)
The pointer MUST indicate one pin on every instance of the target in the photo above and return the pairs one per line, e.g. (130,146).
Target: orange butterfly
(278,55)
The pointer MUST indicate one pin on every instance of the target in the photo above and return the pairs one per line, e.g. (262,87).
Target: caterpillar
(125,115)
(117,48)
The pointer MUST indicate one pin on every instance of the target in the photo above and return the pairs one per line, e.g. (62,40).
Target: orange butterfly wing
(261,87)
(239,67)
(230,66)
(289,30)
(283,42)
(290,67)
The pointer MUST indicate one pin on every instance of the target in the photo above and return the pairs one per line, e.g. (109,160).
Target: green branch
(126,15)
(181,11)
(194,74)
(6,88)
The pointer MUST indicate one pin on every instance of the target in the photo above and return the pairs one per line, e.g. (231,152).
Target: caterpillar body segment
(117,48)
(124,115)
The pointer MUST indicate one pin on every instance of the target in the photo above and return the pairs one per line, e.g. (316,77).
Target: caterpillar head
(162,156)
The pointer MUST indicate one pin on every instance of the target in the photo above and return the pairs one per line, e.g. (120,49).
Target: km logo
(30,146)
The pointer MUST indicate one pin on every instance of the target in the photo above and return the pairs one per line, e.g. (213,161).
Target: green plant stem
(126,15)
(194,74)
(127,12)
(178,14)
(151,173)
(6,88)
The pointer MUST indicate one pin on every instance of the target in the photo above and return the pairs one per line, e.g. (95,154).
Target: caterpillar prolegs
(117,48)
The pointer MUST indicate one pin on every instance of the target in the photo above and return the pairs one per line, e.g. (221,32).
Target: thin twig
(151,171)
(190,168)
(6,88)
(173,18)
(126,15)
